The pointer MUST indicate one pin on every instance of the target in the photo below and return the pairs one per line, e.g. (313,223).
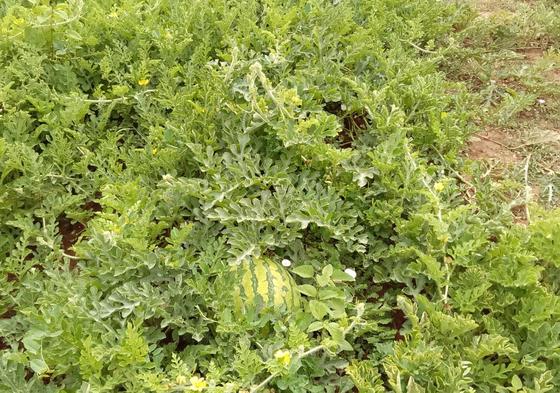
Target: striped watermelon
(262,284)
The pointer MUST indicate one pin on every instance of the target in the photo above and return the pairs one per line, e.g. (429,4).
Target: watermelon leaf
(318,309)
(304,271)
(340,276)
(308,290)
(317,325)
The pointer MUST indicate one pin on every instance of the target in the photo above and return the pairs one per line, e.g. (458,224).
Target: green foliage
(146,146)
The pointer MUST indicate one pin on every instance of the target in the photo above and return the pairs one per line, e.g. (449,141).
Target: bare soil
(532,54)
(492,145)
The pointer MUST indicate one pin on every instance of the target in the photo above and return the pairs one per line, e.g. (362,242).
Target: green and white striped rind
(262,284)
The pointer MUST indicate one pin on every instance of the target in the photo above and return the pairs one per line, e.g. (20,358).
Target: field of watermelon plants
(279,196)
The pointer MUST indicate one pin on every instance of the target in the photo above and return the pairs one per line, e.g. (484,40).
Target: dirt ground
(522,145)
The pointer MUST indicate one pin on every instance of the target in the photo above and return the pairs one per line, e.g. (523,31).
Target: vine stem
(419,48)
(448,271)
(457,174)
(73,257)
(76,16)
(309,352)
(527,189)
(263,383)
(425,183)
(118,99)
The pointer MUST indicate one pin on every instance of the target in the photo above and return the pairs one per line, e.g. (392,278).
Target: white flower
(286,263)
(541,101)
(351,272)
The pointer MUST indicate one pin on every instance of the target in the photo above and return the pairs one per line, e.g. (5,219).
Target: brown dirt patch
(541,136)
(353,124)
(532,54)
(488,8)
(9,313)
(70,232)
(554,75)
(492,145)
(3,344)
(519,215)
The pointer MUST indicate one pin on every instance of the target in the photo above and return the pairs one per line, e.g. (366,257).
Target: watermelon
(260,284)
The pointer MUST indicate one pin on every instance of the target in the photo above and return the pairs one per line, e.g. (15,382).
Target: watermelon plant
(160,159)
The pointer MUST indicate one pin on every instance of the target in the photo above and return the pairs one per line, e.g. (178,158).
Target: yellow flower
(439,186)
(143,82)
(198,384)
(292,97)
(283,357)
(113,14)
(181,380)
